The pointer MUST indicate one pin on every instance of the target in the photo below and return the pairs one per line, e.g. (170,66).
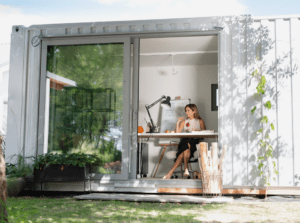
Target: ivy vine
(265,142)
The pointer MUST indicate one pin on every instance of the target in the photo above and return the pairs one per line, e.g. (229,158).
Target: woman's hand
(180,119)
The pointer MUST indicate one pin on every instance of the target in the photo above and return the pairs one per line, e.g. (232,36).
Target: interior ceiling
(195,50)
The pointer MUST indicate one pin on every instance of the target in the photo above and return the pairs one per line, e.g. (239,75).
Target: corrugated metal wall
(276,43)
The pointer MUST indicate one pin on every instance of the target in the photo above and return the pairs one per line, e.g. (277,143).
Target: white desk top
(179,135)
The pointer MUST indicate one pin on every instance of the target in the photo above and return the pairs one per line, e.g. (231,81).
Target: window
(84,102)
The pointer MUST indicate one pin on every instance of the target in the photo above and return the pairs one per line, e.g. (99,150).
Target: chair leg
(181,171)
(192,170)
(161,156)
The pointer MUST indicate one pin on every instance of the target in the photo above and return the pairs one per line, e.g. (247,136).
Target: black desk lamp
(165,104)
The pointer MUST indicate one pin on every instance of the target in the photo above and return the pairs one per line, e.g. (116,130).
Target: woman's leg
(178,162)
(186,158)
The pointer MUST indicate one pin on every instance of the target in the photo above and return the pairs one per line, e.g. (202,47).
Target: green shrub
(20,169)
(76,159)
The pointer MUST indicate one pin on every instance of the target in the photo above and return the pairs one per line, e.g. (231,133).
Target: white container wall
(275,42)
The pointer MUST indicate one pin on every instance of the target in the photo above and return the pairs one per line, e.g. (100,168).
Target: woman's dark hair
(194,108)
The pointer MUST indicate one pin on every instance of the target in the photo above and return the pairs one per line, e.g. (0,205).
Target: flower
(187,124)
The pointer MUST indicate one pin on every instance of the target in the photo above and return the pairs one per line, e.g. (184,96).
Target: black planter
(61,173)
(58,172)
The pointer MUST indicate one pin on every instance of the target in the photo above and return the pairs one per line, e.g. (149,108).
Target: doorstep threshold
(155,198)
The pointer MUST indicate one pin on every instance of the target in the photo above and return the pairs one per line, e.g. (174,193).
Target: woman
(187,146)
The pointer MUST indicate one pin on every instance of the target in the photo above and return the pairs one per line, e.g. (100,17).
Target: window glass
(85,101)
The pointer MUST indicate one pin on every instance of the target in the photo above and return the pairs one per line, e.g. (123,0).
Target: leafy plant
(20,169)
(76,159)
(264,143)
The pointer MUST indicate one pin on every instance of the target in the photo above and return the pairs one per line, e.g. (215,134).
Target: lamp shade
(166,103)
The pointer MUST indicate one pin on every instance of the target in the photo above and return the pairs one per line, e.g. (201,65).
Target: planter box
(55,173)
(15,186)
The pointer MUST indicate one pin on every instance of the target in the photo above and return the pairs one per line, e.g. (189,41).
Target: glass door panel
(84,103)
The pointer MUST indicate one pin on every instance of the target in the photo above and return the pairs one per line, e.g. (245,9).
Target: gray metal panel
(295,47)
(225,107)
(203,23)
(284,103)
(253,43)
(239,100)
(268,56)
(135,106)
(32,99)
(16,94)
(42,100)
(126,109)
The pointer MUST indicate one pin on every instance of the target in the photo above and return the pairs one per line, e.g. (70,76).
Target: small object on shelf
(172,131)
(148,127)
(140,129)
(167,131)
(178,98)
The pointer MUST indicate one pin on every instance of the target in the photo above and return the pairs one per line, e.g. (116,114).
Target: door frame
(135,89)
(126,94)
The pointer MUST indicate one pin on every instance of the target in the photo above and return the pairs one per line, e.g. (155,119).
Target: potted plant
(16,175)
(63,166)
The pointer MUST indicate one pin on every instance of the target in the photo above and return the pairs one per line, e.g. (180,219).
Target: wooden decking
(157,186)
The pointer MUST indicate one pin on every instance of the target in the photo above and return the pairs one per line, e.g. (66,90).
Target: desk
(178,135)
(174,135)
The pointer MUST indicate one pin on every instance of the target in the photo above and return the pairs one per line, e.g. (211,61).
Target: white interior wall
(190,82)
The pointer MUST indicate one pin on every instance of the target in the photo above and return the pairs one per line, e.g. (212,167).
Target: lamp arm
(150,106)
(154,103)
(152,124)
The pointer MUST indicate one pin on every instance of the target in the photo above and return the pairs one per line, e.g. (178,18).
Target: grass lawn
(67,209)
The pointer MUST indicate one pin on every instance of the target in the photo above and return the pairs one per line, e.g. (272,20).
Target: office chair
(192,172)
(172,155)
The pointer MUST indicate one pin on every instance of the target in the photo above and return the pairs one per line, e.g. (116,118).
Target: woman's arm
(202,124)
(179,126)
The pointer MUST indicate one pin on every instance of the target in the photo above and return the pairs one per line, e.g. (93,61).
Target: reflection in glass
(85,101)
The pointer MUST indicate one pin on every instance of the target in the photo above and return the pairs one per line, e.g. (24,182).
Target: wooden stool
(165,145)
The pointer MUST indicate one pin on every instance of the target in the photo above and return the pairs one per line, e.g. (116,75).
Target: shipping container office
(240,40)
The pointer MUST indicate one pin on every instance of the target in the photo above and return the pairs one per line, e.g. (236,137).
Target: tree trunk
(211,168)
(3,187)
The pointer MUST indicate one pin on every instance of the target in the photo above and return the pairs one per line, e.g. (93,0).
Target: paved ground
(163,198)
(268,199)
(154,198)
(185,198)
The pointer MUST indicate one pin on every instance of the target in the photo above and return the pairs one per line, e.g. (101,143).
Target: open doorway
(179,67)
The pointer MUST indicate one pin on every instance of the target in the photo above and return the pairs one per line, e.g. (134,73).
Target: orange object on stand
(140,129)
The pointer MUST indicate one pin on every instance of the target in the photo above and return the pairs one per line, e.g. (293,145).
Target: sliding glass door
(84,105)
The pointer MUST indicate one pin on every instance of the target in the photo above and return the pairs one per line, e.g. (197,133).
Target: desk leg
(139,157)
(161,156)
